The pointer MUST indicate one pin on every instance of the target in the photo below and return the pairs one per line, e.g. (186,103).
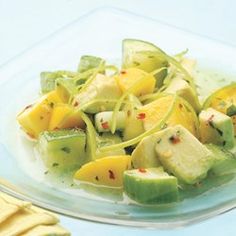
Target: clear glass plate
(100,33)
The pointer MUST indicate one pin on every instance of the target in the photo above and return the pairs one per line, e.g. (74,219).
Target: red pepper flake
(142,170)
(27,107)
(123,72)
(141,116)
(111,174)
(174,139)
(210,118)
(105,125)
(76,104)
(30,135)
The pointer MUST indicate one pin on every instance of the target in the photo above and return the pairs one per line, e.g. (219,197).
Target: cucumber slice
(89,62)
(103,121)
(62,150)
(139,54)
(224,161)
(150,186)
(183,155)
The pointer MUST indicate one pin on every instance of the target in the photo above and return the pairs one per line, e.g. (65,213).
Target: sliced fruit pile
(140,128)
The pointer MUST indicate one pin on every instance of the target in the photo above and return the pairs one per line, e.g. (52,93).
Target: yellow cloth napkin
(21,218)
(43,230)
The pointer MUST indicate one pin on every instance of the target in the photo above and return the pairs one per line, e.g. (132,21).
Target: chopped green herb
(55,164)
(66,149)
(136,63)
(159,140)
(222,104)
(231,110)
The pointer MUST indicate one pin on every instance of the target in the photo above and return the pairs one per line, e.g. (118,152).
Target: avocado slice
(224,161)
(182,88)
(182,155)
(144,155)
(88,62)
(145,56)
(48,79)
(216,128)
(107,139)
(150,186)
(62,150)
(99,95)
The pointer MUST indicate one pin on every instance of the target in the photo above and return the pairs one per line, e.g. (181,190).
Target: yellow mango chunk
(106,171)
(127,78)
(155,111)
(65,116)
(35,118)
(222,99)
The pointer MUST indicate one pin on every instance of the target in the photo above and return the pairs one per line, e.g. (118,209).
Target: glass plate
(100,33)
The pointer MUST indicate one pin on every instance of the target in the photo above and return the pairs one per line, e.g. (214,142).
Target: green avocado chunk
(224,161)
(150,186)
(216,128)
(48,79)
(182,155)
(100,95)
(144,155)
(89,62)
(62,150)
(107,139)
(145,56)
(181,87)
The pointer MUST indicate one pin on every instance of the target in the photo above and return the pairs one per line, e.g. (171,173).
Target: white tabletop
(24,23)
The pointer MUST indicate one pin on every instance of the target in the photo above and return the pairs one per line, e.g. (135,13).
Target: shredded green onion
(93,76)
(157,71)
(155,128)
(181,54)
(91,134)
(112,68)
(94,101)
(125,94)
(120,101)
(174,62)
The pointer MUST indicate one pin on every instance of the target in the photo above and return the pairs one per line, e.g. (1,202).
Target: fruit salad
(140,127)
